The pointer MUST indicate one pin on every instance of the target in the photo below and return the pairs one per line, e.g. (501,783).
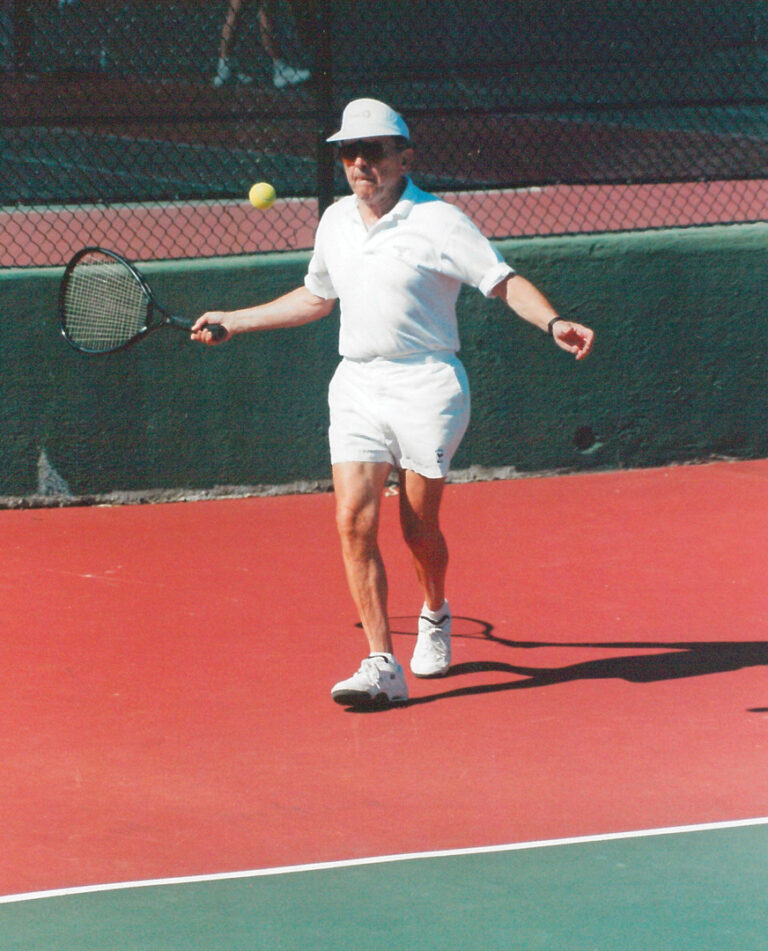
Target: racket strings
(104,305)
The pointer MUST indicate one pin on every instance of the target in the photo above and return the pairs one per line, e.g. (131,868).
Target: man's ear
(406,158)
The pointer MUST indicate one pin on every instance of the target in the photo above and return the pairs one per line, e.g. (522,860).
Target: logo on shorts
(440,453)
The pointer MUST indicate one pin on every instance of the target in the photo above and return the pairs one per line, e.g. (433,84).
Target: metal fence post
(324,105)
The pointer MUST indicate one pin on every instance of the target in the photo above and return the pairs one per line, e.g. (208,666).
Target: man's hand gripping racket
(105,304)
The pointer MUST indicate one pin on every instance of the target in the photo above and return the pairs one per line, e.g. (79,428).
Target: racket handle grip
(217,331)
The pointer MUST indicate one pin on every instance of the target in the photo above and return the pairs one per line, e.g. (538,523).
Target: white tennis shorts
(411,412)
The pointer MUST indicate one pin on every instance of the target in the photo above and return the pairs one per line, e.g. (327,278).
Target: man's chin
(364,189)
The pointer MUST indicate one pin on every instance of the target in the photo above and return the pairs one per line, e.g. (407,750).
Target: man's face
(375,168)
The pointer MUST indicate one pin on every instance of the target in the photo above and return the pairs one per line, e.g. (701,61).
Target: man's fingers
(575,339)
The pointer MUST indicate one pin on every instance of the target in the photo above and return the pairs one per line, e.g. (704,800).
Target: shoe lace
(371,669)
(432,640)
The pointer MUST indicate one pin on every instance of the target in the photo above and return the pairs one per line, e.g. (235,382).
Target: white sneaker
(378,680)
(284,75)
(224,75)
(432,654)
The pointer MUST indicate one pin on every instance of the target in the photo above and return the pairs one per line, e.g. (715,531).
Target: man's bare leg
(359,487)
(420,500)
(419,518)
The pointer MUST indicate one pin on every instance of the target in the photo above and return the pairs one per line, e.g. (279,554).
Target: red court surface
(166,673)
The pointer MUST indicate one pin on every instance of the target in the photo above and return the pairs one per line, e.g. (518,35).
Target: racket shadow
(670,661)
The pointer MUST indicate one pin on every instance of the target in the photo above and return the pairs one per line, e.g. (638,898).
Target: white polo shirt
(398,281)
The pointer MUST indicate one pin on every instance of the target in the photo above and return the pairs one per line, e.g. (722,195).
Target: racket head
(104,302)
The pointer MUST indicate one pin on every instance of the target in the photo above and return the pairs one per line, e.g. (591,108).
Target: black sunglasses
(371,152)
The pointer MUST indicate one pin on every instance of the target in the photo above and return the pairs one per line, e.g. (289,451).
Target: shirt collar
(406,201)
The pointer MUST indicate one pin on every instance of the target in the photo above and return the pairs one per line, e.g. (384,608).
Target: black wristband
(551,324)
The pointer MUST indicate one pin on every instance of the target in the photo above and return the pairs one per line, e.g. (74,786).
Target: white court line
(379,860)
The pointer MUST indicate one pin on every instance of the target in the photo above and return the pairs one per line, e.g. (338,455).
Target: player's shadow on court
(670,661)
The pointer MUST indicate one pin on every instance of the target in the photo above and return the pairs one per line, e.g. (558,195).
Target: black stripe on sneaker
(424,617)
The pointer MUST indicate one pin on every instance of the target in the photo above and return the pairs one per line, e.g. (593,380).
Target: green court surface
(702,888)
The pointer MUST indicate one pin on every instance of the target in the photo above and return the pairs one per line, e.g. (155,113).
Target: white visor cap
(369,118)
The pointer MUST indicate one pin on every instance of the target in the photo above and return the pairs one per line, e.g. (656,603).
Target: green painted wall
(678,373)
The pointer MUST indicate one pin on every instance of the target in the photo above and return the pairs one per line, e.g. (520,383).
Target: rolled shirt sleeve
(469,257)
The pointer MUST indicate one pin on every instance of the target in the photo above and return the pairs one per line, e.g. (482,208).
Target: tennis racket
(105,304)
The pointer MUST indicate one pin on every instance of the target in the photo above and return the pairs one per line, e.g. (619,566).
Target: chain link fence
(142,125)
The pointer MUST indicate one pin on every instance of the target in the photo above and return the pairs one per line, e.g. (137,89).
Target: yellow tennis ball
(262,195)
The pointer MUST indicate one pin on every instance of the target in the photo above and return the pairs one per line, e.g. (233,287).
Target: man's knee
(420,534)
(358,489)
(356,523)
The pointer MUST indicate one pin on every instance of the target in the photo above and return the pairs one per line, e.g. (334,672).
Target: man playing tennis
(396,258)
